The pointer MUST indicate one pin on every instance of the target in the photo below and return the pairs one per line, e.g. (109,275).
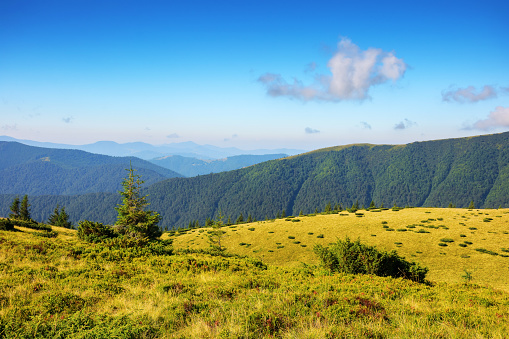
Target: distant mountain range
(191,167)
(46,171)
(146,151)
(432,173)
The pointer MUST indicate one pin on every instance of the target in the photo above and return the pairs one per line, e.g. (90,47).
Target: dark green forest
(45,171)
(432,173)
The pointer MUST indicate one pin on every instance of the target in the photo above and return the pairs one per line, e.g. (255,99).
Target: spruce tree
(63,219)
(217,234)
(24,211)
(54,217)
(133,220)
(14,209)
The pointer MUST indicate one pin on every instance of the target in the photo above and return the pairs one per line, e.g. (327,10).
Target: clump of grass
(384,222)
(472,228)
(463,236)
(446,240)
(462,245)
(251,228)
(483,250)
(310,233)
(389,229)
(291,237)
(443,244)
(320,236)
(468,242)
(296,242)
(401,230)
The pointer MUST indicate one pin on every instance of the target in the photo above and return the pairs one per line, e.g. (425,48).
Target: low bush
(446,240)
(355,258)
(95,232)
(34,225)
(6,225)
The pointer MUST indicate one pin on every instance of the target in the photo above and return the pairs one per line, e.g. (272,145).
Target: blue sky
(253,74)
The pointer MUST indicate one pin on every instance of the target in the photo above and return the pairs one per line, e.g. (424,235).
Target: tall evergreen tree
(24,210)
(14,209)
(217,234)
(63,219)
(53,218)
(133,220)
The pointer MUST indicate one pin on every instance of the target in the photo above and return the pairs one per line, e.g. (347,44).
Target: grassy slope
(446,263)
(64,288)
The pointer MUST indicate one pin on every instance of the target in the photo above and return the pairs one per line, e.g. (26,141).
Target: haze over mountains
(146,151)
(433,173)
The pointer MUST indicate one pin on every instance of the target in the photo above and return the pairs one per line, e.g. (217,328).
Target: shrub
(443,244)
(6,225)
(251,228)
(356,258)
(291,237)
(483,250)
(446,240)
(91,231)
(32,225)
(320,236)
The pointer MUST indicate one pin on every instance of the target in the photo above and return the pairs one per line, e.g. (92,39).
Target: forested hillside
(191,167)
(44,171)
(433,173)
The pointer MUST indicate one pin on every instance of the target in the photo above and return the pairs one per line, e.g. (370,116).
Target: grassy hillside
(289,242)
(64,288)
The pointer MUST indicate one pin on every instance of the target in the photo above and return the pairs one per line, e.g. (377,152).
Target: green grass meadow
(270,240)
(267,285)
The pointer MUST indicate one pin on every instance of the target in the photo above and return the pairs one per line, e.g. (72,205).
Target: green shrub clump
(95,232)
(355,258)
(6,225)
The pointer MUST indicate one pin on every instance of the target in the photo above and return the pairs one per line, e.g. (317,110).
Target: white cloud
(365,125)
(232,137)
(173,136)
(310,130)
(404,124)
(353,71)
(10,127)
(498,118)
(469,94)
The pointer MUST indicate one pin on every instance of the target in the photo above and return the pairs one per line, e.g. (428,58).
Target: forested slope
(432,173)
(44,171)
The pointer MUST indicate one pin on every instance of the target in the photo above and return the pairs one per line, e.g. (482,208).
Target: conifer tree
(54,217)
(217,234)
(133,220)
(14,209)
(372,204)
(24,211)
(63,219)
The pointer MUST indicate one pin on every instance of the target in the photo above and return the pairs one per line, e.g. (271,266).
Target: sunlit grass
(446,264)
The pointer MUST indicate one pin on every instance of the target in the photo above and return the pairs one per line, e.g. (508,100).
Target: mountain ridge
(431,174)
